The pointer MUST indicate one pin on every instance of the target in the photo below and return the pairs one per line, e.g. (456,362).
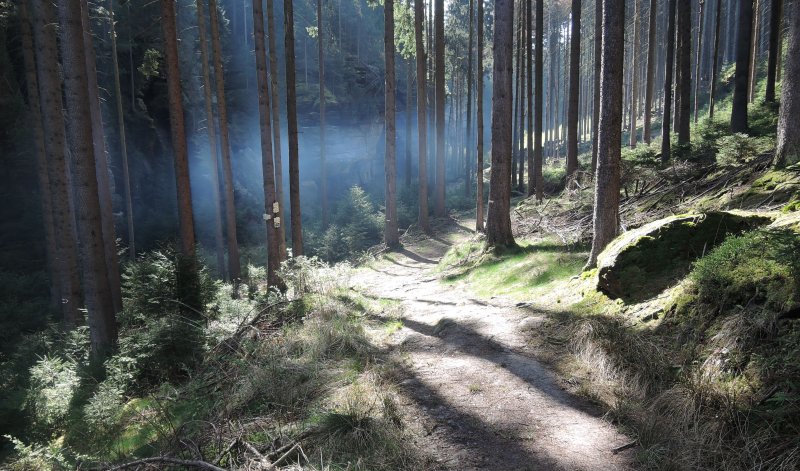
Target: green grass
(524,272)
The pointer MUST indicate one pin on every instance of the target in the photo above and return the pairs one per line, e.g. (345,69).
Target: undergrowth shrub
(160,337)
(736,150)
(355,225)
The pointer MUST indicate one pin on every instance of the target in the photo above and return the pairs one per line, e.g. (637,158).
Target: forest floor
(474,396)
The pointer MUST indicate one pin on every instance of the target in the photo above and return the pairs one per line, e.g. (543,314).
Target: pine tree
(574,83)
(479,224)
(788,146)
(741,75)
(438,26)
(498,223)
(607,180)
(234,265)
(291,121)
(652,26)
(422,109)
(55,146)
(390,235)
(666,120)
(97,290)
(211,129)
(274,216)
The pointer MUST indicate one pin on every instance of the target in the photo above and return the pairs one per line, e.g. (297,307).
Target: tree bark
(666,120)
(422,110)
(774,39)
(498,224)
(684,83)
(104,181)
(606,195)
(234,265)
(538,179)
(741,76)
(276,119)
(598,41)
(698,56)
(45,195)
(188,276)
(97,290)
(651,67)
(788,148)
(753,69)
(55,146)
(126,176)
(715,66)
(323,169)
(634,75)
(529,95)
(291,121)
(212,139)
(390,235)
(273,214)
(479,225)
(438,27)
(468,128)
(574,84)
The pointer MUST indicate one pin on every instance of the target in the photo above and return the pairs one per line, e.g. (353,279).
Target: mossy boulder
(644,261)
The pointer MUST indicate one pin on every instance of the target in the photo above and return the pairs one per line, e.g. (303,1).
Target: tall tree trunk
(698,56)
(684,83)
(97,289)
(408,103)
(188,281)
(666,120)
(468,129)
(422,110)
(715,66)
(276,118)
(272,208)
(55,146)
(574,83)
(212,138)
(774,39)
(788,148)
(529,95)
(323,169)
(35,110)
(479,225)
(598,41)
(538,179)
(524,110)
(234,265)
(517,113)
(606,194)
(634,75)
(652,26)
(498,223)
(438,27)
(291,121)
(103,178)
(741,76)
(391,237)
(126,176)
(753,70)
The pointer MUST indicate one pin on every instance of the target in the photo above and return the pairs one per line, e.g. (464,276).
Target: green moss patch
(643,262)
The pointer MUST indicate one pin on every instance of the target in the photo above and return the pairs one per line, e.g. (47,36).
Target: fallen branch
(165,460)
(622,448)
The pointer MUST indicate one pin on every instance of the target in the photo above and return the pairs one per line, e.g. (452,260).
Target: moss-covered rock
(644,261)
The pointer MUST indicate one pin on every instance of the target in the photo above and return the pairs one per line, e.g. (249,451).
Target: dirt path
(474,396)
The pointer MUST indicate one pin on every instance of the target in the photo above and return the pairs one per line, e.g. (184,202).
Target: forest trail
(473,396)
